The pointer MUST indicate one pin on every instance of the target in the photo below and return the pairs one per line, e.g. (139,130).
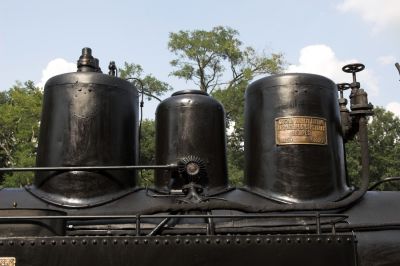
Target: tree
(20,110)
(147,151)
(152,87)
(203,57)
(217,63)
(384,147)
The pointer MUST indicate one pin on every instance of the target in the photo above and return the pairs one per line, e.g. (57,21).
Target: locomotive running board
(282,250)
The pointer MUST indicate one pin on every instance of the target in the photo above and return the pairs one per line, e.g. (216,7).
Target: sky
(40,39)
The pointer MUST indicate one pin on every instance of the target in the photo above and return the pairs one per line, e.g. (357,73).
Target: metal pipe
(87,168)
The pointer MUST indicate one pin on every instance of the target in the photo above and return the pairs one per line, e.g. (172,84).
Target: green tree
(384,147)
(147,151)
(152,87)
(218,63)
(206,57)
(20,109)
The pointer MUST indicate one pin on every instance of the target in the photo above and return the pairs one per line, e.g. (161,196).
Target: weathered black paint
(88,119)
(284,250)
(293,173)
(191,123)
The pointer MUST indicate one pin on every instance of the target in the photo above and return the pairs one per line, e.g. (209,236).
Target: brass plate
(300,130)
(7,261)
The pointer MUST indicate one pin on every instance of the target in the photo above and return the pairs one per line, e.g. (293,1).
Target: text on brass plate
(7,261)
(300,130)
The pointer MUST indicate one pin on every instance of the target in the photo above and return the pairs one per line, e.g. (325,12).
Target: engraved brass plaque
(300,130)
(7,261)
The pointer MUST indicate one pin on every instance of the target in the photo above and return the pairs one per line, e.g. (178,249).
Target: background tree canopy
(219,64)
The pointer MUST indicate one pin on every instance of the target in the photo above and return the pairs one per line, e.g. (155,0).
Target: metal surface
(12,225)
(191,123)
(293,173)
(88,119)
(283,250)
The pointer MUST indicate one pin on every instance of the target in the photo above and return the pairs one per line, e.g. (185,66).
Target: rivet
(217,240)
(308,240)
(177,240)
(104,242)
(11,243)
(14,204)
(197,241)
(42,242)
(348,240)
(228,241)
(278,240)
(237,240)
(157,241)
(22,243)
(268,240)
(115,241)
(319,240)
(288,240)
(73,242)
(63,242)
(1,243)
(258,241)
(136,241)
(339,240)
(187,241)
(145,241)
(53,242)
(84,241)
(32,243)
(94,242)
(329,240)
(166,242)
(126,242)
(208,241)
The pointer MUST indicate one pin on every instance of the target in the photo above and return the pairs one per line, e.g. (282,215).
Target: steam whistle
(359,105)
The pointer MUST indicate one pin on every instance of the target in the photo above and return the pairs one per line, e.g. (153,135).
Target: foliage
(384,147)
(203,57)
(152,87)
(147,151)
(20,110)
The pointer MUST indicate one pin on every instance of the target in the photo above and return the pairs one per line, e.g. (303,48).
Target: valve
(358,98)
(344,112)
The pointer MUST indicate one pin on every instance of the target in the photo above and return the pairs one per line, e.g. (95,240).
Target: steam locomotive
(296,206)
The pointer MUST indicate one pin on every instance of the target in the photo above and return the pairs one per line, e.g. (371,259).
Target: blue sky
(314,36)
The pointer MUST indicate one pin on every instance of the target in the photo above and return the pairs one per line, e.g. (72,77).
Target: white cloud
(56,67)
(386,60)
(394,107)
(380,13)
(320,59)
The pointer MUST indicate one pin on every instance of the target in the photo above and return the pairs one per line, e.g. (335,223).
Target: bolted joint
(86,62)
(359,103)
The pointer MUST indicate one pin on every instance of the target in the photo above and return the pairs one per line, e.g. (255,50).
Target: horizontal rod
(87,168)
(91,217)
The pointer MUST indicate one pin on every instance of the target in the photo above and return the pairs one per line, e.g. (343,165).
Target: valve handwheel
(353,68)
(343,86)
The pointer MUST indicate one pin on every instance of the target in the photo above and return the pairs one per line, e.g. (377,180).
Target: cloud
(320,59)
(56,67)
(394,107)
(380,13)
(386,60)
